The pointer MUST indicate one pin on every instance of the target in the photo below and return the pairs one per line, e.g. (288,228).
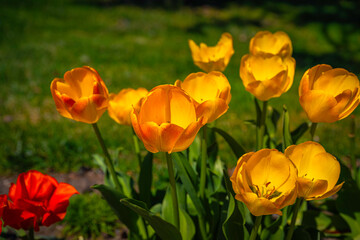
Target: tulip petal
(85,110)
(308,188)
(258,206)
(331,192)
(188,135)
(212,109)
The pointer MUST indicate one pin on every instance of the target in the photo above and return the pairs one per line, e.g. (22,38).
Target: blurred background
(144,43)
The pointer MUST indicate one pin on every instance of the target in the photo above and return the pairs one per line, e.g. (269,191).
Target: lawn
(132,46)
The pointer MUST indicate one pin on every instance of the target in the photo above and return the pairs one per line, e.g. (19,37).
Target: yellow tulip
(327,94)
(267,76)
(265,181)
(166,120)
(211,93)
(121,104)
(213,58)
(265,42)
(318,171)
(81,95)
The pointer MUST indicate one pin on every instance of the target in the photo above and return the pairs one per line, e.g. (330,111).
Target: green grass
(144,47)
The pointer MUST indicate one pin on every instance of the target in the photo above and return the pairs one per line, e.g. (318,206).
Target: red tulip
(36,200)
(3,204)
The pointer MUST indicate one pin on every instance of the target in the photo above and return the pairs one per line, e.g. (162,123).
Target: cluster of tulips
(169,117)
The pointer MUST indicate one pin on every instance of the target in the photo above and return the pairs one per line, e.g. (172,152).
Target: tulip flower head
(3,204)
(81,95)
(267,76)
(166,120)
(210,91)
(213,58)
(265,181)
(264,42)
(318,171)
(36,200)
(121,104)
(327,94)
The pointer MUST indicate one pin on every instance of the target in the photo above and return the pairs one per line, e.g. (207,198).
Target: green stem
(203,163)
(137,148)
(298,204)
(31,234)
(255,228)
(108,161)
(173,190)
(261,127)
(352,134)
(312,130)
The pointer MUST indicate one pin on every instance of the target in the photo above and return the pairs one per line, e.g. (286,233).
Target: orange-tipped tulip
(81,95)
(265,181)
(213,58)
(318,171)
(210,91)
(166,120)
(267,76)
(265,42)
(121,104)
(327,94)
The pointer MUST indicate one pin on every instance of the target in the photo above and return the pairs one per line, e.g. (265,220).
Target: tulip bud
(327,94)
(267,76)
(211,93)
(81,95)
(166,120)
(318,171)
(213,58)
(265,181)
(121,104)
(264,42)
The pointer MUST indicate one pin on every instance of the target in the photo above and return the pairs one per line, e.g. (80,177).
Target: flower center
(266,191)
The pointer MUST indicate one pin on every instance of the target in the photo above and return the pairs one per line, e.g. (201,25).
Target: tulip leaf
(236,147)
(298,132)
(145,179)
(180,162)
(287,141)
(234,225)
(163,229)
(187,227)
(125,215)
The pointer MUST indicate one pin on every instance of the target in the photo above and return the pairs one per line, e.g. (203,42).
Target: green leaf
(298,132)
(287,141)
(234,225)
(125,215)
(180,160)
(145,179)
(163,229)
(236,147)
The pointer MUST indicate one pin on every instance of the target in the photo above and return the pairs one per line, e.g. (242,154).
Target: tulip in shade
(36,200)
(3,204)
(213,58)
(211,93)
(327,94)
(265,181)
(267,76)
(264,42)
(121,104)
(318,171)
(166,120)
(81,95)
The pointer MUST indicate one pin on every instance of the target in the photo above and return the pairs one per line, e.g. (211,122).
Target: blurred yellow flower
(213,58)
(121,104)
(81,95)
(211,92)
(264,42)
(327,94)
(267,76)
(265,181)
(166,120)
(318,171)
